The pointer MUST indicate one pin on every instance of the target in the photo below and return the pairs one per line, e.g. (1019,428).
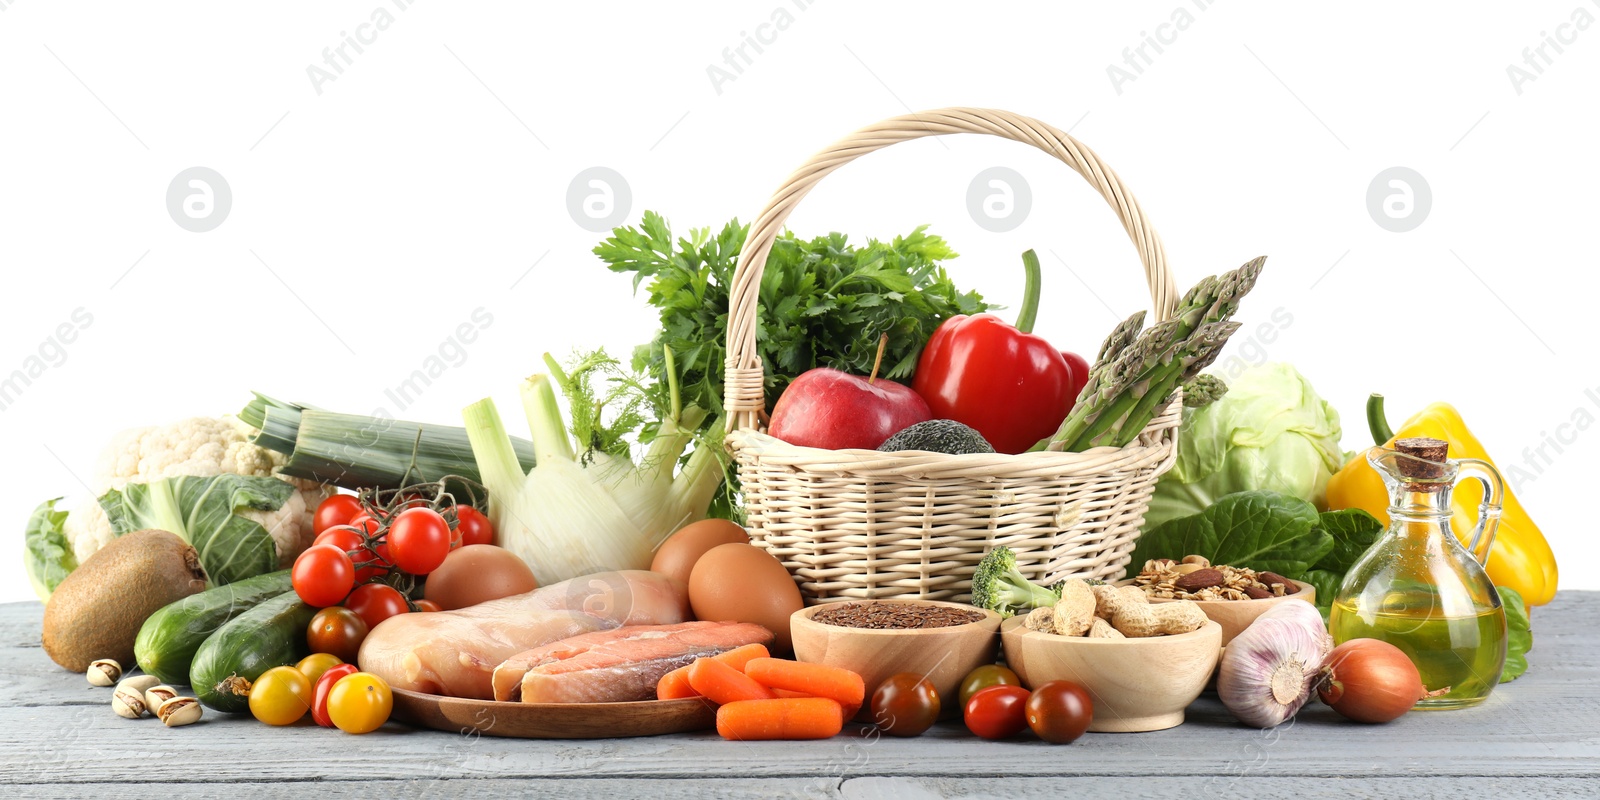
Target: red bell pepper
(1013,387)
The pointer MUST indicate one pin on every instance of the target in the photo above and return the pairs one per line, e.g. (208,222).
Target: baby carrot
(723,684)
(818,680)
(675,684)
(788,718)
(740,656)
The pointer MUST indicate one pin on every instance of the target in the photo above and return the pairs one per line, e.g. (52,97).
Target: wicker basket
(860,524)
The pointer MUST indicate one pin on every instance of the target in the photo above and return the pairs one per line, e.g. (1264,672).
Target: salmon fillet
(454,653)
(616,665)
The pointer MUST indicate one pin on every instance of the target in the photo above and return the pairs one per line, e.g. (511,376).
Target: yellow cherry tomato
(360,703)
(281,696)
(317,663)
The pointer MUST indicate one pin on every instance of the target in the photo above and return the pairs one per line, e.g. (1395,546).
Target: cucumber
(169,638)
(273,634)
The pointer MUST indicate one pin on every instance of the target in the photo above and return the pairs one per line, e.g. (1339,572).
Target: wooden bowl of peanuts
(1143,663)
(1138,684)
(1232,597)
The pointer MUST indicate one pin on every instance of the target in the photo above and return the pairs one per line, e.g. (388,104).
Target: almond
(1257,593)
(1204,578)
(1270,578)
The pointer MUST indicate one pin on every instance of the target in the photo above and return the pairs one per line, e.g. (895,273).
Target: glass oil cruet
(1418,588)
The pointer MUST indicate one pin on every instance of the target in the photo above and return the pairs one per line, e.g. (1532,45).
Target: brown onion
(1368,680)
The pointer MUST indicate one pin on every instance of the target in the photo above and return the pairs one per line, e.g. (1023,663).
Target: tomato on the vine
(472,527)
(323,575)
(319,694)
(338,631)
(336,510)
(1060,711)
(426,605)
(997,712)
(280,696)
(360,703)
(905,705)
(419,540)
(365,522)
(343,537)
(376,602)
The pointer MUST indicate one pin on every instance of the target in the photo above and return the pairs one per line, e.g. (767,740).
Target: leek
(359,452)
(587,506)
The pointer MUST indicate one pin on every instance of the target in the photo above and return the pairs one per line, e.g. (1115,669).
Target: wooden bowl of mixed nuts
(880,638)
(1231,596)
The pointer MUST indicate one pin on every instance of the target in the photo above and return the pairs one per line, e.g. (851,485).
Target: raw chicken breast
(617,665)
(454,653)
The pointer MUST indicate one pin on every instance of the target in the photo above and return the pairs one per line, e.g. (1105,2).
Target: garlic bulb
(1268,671)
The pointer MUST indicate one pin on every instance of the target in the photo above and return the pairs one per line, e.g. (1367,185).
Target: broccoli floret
(999,587)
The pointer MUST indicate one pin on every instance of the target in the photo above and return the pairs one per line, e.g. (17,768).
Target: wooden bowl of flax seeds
(880,638)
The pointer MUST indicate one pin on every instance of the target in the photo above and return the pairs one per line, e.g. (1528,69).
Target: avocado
(938,436)
(97,610)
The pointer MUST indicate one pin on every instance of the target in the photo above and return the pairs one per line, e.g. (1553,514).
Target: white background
(430,178)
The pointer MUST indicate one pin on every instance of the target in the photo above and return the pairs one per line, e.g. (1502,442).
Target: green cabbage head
(1270,431)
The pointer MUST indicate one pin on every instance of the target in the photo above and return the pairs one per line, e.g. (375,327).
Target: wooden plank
(874,788)
(497,788)
(55,729)
(1163,786)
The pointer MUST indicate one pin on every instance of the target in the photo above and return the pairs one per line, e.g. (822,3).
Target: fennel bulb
(591,508)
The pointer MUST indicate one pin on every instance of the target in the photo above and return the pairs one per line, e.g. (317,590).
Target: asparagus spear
(1130,384)
(1204,390)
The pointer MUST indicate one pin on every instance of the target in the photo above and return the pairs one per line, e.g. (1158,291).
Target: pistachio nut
(139,683)
(127,703)
(179,711)
(156,695)
(104,672)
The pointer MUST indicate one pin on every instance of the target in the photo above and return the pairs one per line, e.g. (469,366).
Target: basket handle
(744,396)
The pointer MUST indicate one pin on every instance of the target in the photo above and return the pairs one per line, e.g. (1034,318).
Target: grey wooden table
(1537,737)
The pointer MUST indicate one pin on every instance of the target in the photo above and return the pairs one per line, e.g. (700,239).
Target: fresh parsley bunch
(824,302)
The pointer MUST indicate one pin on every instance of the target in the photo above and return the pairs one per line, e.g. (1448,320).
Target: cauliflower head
(200,447)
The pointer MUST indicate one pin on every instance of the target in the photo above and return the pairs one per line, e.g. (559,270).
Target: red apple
(835,410)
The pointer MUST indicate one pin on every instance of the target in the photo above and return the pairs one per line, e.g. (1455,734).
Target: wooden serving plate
(554,720)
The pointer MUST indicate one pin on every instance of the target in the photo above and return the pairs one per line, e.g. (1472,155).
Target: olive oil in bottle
(1418,588)
(1462,657)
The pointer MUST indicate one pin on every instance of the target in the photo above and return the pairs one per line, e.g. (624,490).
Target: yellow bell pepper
(1520,557)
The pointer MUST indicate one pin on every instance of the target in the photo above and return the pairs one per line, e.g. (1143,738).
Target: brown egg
(742,583)
(677,554)
(477,574)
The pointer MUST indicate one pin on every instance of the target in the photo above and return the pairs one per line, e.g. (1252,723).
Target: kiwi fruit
(97,610)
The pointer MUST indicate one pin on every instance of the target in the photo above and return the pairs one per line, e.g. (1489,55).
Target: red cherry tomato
(419,540)
(905,705)
(1060,711)
(376,602)
(364,521)
(338,631)
(343,537)
(323,575)
(998,712)
(426,605)
(336,510)
(319,693)
(473,527)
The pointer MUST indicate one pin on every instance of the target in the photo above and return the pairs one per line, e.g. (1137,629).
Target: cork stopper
(1426,464)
